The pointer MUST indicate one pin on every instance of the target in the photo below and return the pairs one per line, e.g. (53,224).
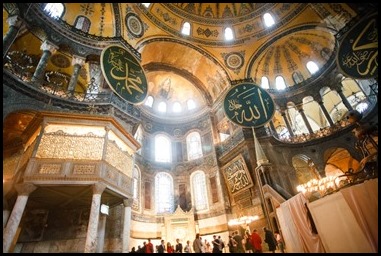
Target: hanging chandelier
(242,220)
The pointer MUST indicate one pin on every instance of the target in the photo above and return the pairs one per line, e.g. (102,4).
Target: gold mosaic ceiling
(302,32)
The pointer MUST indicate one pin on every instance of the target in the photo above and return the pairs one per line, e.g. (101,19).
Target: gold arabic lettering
(364,53)
(129,82)
(370,45)
(250,117)
(263,105)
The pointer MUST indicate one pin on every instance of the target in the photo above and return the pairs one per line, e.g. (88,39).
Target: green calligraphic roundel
(249,105)
(124,74)
(358,53)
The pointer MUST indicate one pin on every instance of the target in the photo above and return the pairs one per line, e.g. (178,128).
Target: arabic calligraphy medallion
(124,74)
(249,105)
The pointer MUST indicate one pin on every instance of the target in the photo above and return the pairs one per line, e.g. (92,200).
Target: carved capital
(77,60)
(48,46)
(128,202)
(98,188)
(14,21)
(299,107)
(25,188)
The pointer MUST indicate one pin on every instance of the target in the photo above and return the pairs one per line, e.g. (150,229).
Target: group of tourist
(249,243)
(163,247)
(252,243)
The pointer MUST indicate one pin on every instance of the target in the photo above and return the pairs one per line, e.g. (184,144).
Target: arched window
(279,83)
(162,107)
(312,67)
(177,107)
(194,145)
(186,28)
(149,101)
(164,193)
(199,191)
(136,188)
(54,10)
(229,34)
(191,104)
(162,149)
(82,23)
(265,83)
(269,20)
(297,77)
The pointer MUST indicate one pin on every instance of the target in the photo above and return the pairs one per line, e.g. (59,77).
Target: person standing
(216,244)
(279,241)
(188,248)
(170,248)
(179,246)
(248,245)
(161,247)
(232,245)
(270,239)
(222,244)
(238,238)
(256,241)
(197,244)
(149,246)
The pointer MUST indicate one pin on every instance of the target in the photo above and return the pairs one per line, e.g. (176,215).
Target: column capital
(78,60)
(48,46)
(299,107)
(14,21)
(128,202)
(98,188)
(282,111)
(25,188)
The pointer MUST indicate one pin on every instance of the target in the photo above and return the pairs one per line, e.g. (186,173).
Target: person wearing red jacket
(256,241)
(149,246)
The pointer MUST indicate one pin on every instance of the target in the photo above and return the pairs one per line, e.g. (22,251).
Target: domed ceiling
(204,63)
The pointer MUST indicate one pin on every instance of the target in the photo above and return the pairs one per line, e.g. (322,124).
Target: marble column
(9,232)
(283,113)
(7,186)
(344,99)
(77,62)
(126,225)
(101,232)
(325,112)
(92,228)
(14,23)
(301,112)
(6,213)
(48,49)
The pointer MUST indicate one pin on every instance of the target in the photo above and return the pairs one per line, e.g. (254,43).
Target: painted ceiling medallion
(60,61)
(234,61)
(134,25)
